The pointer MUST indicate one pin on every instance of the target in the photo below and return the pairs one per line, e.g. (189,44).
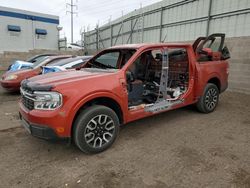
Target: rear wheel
(95,129)
(209,100)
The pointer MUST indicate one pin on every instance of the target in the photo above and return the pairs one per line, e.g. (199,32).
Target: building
(24,30)
(184,20)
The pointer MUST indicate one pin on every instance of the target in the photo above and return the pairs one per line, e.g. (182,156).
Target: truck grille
(27,99)
(28,103)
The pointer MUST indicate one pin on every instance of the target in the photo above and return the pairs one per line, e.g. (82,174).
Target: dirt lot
(181,148)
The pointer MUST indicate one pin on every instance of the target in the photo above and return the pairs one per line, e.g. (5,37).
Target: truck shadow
(131,130)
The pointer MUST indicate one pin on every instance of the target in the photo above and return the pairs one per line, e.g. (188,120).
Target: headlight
(11,77)
(47,100)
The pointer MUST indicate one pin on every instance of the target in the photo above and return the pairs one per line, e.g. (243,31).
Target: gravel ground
(181,148)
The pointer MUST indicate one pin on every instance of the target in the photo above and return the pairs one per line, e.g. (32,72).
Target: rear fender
(203,83)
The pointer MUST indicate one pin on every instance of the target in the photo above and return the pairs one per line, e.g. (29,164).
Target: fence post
(84,42)
(97,38)
(161,20)
(122,28)
(131,32)
(111,35)
(209,16)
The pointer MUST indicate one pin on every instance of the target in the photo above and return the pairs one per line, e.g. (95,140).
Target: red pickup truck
(122,84)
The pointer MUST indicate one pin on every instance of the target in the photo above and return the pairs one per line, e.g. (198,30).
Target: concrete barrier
(239,71)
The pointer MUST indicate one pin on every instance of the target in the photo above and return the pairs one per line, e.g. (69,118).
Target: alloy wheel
(211,99)
(99,131)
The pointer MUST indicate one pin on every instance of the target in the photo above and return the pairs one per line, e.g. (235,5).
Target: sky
(89,12)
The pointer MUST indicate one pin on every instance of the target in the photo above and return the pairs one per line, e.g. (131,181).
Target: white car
(74,46)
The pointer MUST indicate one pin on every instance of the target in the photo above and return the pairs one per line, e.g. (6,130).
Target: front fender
(94,95)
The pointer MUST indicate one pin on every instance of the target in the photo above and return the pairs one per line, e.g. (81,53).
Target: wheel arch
(100,100)
(216,81)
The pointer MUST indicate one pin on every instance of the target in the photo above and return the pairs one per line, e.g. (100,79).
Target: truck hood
(59,78)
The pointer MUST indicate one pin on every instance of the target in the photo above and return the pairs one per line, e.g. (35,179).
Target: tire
(209,100)
(95,129)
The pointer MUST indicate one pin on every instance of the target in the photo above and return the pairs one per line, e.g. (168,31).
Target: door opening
(157,79)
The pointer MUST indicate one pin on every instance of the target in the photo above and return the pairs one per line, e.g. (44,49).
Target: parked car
(11,80)
(16,65)
(74,46)
(122,84)
(66,64)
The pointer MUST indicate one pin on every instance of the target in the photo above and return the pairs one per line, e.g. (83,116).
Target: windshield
(66,61)
(111,59)
(36,58)
(38,62)
(32,58)
(63,62)
(15,66)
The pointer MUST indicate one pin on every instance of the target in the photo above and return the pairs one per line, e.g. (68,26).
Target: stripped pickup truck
(122,84)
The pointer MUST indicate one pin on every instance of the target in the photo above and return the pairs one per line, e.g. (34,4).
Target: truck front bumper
(49,125)
(39,131)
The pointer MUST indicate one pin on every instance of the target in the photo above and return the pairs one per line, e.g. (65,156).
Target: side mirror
(129,77)
(207,51)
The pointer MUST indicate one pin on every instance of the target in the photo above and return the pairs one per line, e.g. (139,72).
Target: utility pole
(72,12)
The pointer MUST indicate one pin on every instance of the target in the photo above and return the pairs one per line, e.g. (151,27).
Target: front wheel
(209,100)
(95,129)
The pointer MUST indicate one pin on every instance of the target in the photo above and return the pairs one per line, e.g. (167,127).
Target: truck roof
(146,45)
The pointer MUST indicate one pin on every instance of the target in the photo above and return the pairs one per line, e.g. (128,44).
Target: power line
(110,10)
(116,9)
(100,10)
(109,3)
(110,7)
